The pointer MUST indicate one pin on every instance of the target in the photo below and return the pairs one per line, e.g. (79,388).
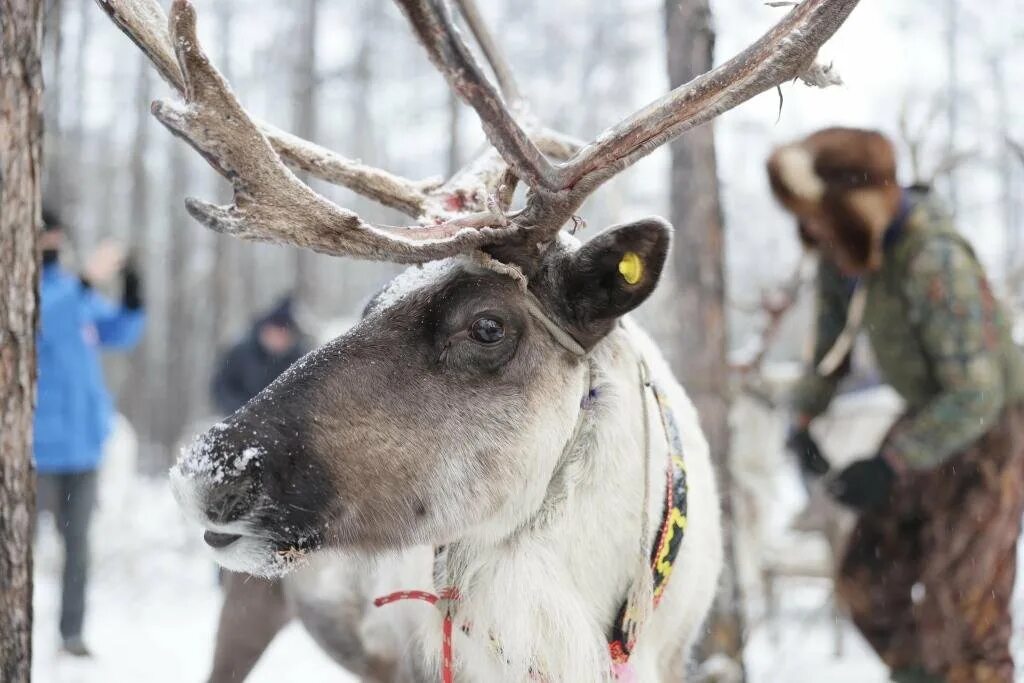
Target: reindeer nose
(231,502)
(232,497)
(216,540)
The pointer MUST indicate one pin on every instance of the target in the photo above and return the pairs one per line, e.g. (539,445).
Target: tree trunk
(138,391)
(304,124)
(698,348)
(173,406)
(74,200)
(53,166)
(454,160)
(232,263)
(20,161)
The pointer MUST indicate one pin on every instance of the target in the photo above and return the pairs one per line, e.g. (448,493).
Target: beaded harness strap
(669,539)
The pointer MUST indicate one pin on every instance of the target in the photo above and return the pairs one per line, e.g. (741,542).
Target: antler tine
(145,23)
(492,51)
(432,22)
(271,203)
(387,189)
(783,53)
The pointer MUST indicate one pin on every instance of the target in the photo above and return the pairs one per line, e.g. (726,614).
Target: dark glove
(131,295)
(805,448)
(864,484)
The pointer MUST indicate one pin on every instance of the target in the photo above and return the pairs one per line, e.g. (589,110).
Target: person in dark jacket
(929,570)
(254,609)
(273,344)
(73,408)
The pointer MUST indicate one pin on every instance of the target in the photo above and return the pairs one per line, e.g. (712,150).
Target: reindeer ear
(616,271)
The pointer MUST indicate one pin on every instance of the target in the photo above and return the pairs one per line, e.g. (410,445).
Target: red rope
(447,594)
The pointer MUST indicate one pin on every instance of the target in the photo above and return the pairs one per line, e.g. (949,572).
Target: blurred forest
(938,77)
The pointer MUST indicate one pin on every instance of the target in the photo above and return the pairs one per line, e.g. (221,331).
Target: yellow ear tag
(631,267)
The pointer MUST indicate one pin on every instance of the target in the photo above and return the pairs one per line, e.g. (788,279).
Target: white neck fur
(569,574)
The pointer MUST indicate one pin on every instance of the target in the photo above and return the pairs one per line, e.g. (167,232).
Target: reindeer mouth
(217,540)
(260,554)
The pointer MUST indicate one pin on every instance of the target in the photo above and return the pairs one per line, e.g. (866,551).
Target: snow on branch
(821,76)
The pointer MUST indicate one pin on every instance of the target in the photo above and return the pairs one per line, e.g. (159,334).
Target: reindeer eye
(487,330)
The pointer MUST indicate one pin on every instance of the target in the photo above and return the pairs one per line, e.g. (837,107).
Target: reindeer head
(442,414)
(444,411)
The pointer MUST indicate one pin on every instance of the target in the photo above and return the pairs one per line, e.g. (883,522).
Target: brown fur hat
(841,185)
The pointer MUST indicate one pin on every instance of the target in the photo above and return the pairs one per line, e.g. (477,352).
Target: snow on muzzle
(233,487)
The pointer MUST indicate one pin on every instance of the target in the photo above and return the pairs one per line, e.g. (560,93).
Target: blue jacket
(73,409)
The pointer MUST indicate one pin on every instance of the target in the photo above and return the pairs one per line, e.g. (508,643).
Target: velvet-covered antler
(470,210)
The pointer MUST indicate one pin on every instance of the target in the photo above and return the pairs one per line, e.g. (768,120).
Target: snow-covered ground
(153,598)
(801,649)
(153,607)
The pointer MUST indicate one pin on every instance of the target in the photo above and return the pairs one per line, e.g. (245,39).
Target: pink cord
(447,668)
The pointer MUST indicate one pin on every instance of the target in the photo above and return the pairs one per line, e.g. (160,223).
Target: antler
(432,22)
(146,24)
(784,53)
(469,210)
(271,203)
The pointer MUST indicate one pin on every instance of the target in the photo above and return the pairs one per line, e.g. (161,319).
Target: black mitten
(805,448)
(131,295)
(864,484)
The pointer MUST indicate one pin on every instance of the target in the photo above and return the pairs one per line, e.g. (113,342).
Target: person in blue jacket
(74,410)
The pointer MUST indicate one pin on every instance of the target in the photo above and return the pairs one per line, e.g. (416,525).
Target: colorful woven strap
(670,533)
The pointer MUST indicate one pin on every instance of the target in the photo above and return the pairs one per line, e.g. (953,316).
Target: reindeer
(496,433)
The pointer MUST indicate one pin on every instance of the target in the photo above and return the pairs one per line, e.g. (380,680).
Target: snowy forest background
(938,77)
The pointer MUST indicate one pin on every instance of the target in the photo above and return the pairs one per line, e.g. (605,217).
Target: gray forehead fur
(425,276)
(413,279)
(422,276)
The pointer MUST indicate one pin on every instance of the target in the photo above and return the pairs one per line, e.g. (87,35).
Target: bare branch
(1017,147)
(145,23)
(916,134)
(492,51)
(432,22)
(775,305)
(912,142)
(271,203)
(782,54)
(951,161)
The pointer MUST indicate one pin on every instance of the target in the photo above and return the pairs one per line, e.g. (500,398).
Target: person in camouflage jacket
(929,570)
